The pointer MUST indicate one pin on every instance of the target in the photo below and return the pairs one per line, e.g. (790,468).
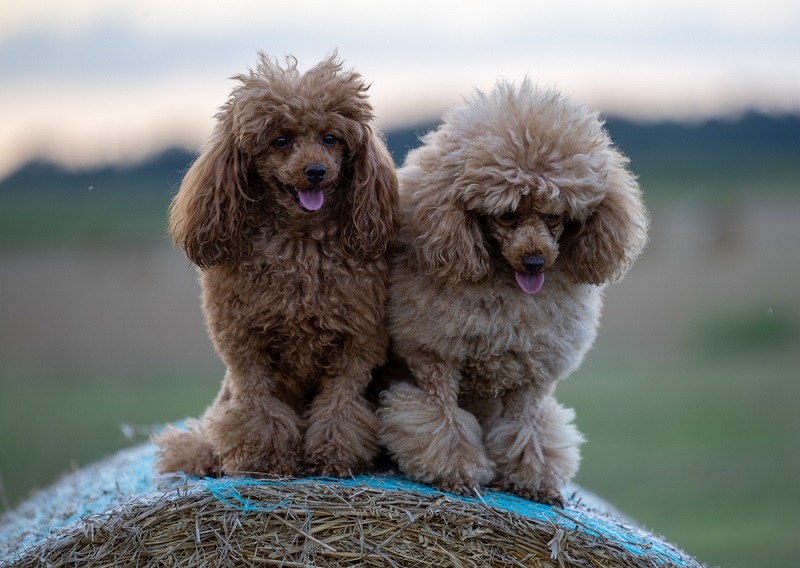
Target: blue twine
(225,490)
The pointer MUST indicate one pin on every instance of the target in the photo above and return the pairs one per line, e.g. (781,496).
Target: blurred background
(690,398)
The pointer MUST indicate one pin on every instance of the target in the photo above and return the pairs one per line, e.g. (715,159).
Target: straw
(120,513)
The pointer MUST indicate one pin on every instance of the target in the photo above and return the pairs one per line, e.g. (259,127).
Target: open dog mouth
(530,283)
(309,199)
(531,278)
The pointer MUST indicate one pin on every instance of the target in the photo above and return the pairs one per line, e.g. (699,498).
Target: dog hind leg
(189,451)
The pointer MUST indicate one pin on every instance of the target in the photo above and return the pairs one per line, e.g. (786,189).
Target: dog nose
(315,173)
(533,264)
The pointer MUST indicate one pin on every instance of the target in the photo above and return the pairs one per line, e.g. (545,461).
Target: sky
(88,82)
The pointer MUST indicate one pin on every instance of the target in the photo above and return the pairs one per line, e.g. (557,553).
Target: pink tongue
(310,199)
(530,283)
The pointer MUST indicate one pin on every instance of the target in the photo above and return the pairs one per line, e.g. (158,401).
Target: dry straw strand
(366,521)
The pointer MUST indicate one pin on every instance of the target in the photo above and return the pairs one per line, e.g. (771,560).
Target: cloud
(102,79)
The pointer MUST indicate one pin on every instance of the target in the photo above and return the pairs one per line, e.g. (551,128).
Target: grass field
(688,402)
(697,450)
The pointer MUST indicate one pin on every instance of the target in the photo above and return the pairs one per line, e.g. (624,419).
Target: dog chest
(498,336)
(303,317)
(542,339)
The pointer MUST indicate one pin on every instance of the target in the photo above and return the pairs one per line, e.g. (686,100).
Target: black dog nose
(315,173)
(533,264)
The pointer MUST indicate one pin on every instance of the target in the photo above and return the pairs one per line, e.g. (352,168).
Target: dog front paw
(462,487)
(253,442)
(544,495)
(337,470)
(433,443)
(340,444)
(242,461)
(537,457)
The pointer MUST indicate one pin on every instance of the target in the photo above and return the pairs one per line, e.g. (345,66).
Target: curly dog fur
(288,213)
(515,213)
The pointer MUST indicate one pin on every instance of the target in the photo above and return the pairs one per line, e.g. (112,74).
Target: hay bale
(118,512)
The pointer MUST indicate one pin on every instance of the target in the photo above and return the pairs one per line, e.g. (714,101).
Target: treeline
(718,143)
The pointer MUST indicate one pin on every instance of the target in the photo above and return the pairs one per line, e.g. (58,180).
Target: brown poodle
(288,213)
(514,214)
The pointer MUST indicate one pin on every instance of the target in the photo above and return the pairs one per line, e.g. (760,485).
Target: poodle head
(518,182)
(288,148)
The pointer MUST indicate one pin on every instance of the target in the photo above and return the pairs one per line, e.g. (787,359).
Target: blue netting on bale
(119,511)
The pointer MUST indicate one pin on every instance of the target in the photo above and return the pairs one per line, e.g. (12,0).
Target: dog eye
(280,143)
(508,216)
(328,140)
(553,219)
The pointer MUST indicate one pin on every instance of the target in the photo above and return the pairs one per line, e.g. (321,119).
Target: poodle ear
(372,220)
(449,239)
(208,213)
(603,247)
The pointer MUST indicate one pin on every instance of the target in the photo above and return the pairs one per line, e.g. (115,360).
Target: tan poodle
(514,214)
(288,213)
